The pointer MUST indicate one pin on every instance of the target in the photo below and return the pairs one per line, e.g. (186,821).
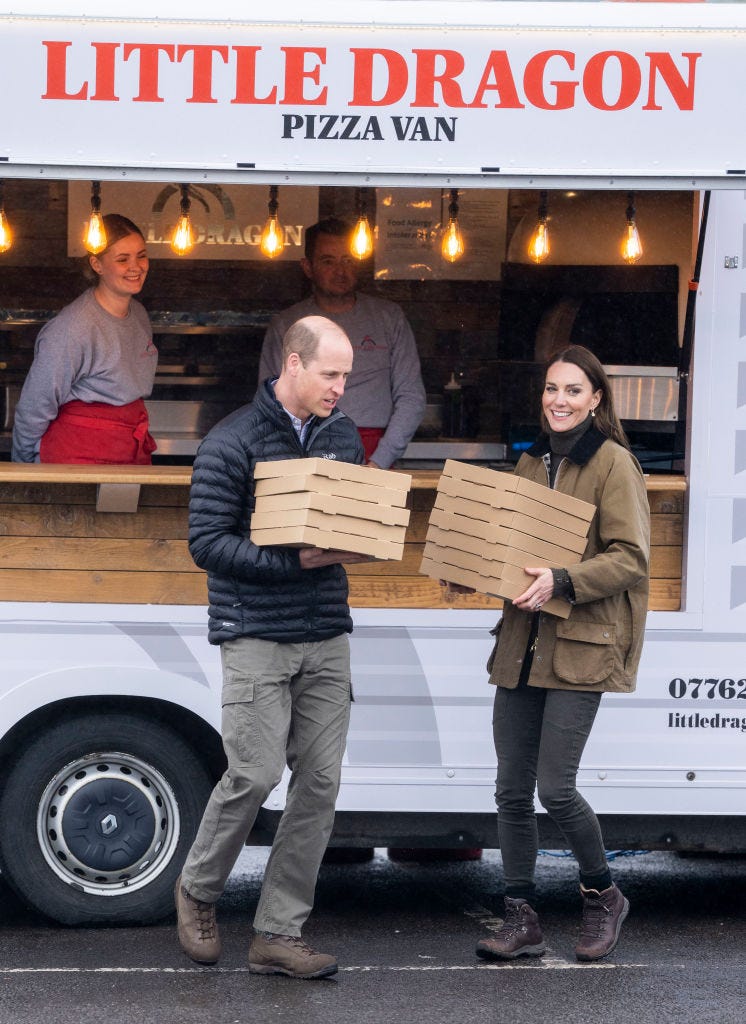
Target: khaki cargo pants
(282,703)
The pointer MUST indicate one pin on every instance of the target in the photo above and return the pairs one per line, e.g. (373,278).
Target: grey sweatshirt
(83,354)
(385,387)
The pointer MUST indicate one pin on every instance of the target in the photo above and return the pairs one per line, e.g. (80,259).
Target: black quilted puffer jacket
(262,591)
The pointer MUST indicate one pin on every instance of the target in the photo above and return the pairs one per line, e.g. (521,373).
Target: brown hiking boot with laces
(519,935)
(603,916)
(288,954)
(197,927)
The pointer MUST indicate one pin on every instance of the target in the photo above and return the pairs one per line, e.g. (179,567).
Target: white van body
(665,766)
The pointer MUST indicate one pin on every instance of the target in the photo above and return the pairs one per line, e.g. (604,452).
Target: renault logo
(108,825)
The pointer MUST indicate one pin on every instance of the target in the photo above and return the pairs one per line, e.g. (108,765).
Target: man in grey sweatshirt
(384,395)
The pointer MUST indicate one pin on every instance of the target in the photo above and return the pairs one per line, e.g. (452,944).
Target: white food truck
(448,94)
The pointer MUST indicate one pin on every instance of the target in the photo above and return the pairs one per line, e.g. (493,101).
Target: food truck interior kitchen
(486,321)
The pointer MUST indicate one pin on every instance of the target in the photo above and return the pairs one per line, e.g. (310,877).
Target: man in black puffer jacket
(281,618)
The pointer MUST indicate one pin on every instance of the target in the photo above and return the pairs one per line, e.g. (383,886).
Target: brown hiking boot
(519,935)
(603,916)
(288,954)
(197,927)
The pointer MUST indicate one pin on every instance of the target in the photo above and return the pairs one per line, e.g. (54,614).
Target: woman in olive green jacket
(550,673)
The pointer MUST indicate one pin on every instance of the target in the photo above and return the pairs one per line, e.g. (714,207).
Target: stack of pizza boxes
(487,526)
(327,504)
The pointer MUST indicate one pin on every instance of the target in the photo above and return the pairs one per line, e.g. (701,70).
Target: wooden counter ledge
(118,534)
(48,473)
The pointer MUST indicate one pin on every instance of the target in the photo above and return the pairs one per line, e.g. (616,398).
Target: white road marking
(552,964)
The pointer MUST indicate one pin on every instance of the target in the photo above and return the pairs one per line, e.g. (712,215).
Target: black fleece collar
(582,452)
(270,403)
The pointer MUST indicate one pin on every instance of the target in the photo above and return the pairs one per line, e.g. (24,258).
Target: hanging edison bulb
(361,242)
(94,238)
(538,246)
(6,235)
(362,239)
(272,241)
(631,244)
(452,246)
(182,240)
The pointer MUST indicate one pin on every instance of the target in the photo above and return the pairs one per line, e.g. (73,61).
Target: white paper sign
(409,230)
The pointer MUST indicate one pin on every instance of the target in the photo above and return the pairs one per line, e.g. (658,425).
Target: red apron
(97,433)
(370,437)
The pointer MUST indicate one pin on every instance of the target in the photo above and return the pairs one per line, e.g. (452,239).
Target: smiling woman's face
(568,396)
(123,267)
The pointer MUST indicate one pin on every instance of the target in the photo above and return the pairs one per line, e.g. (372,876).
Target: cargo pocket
(496,633)
(584,651)
(240,728)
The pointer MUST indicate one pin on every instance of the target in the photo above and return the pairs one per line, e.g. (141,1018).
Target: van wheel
(98,814)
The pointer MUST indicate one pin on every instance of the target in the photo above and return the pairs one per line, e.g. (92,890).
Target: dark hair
(118,227)
(334,226)
(606,420)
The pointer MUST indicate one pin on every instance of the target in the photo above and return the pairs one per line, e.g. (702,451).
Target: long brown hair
(606,420)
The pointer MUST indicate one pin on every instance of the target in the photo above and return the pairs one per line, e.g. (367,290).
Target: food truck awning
(463,92)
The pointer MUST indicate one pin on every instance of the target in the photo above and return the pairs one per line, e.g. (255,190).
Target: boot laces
(204,914)
(594,918)
(300,945)
(512,921)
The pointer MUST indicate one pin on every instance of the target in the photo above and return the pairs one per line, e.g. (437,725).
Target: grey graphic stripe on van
(166,647)
(394,715)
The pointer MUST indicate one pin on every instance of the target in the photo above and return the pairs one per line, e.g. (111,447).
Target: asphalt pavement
(404,933)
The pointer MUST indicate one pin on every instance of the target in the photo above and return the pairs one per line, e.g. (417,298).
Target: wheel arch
(200,735)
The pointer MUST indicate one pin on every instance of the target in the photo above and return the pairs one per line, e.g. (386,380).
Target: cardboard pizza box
(331,504)
(519,485)
(473,548)
(496,580)
(327,522)
(315,484)
(488,535)
(332,469)
(510,500)
(310,536)
(497,518)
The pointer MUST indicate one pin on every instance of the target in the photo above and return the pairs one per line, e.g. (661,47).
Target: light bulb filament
(538,248)
(453,242)
(182,241)
(362,239)
(631,244)
(6,235)
(94,237)
(272,241)
(95,233)
(452,246)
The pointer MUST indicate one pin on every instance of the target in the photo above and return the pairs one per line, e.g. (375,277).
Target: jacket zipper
(545,459)
(316,430)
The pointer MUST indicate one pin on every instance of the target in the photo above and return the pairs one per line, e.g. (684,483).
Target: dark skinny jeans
(539,739)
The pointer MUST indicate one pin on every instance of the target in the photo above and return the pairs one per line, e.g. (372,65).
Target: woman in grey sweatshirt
(94,363)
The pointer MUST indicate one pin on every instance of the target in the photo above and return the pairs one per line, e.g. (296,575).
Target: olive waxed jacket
(598,647)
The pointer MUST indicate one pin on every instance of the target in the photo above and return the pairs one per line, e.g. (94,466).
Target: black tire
(98,814)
